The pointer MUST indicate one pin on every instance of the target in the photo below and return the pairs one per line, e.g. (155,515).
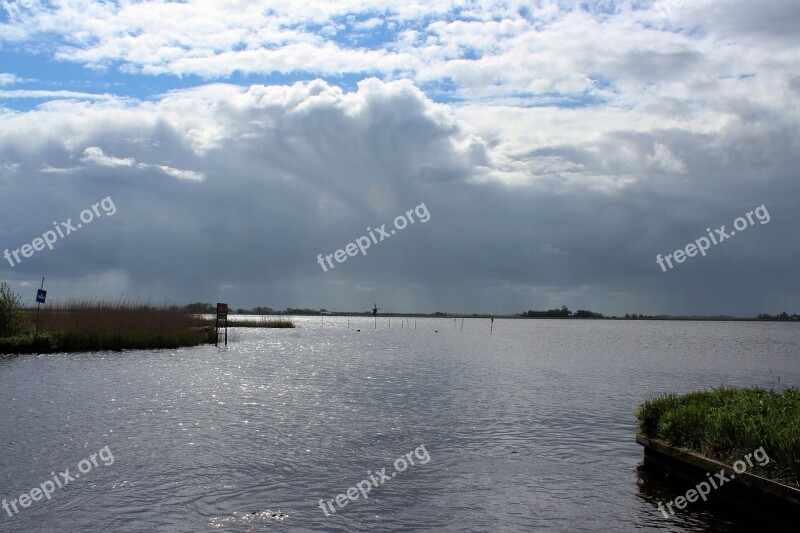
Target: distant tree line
(582,313)
(564,312)
(762,316)
(781,316)
(201,308)
(293,311)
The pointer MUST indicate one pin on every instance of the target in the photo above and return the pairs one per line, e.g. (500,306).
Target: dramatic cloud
(559,146)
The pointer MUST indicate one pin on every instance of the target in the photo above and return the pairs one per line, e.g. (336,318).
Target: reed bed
(86,325)
(728,423)
(104,316)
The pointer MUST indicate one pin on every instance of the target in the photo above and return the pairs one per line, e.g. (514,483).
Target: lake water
(530,428)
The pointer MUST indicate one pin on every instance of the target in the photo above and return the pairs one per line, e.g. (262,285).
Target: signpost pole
(40,296)
(222,315)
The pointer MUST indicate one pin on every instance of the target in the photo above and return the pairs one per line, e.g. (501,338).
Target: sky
(547,152)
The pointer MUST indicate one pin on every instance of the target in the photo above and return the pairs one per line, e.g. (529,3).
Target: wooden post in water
(491,328)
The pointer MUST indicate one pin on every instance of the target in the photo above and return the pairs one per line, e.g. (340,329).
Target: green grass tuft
(728,423)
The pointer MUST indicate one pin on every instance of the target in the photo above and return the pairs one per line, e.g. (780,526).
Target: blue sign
(41,296)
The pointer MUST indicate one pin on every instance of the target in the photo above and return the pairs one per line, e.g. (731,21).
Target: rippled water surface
(530,428)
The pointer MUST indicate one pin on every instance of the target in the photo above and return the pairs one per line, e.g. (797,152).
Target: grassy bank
(81,326)
(95,341)
(728,423)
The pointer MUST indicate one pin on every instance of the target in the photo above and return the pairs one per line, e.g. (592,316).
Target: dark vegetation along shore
(726,424)
(84,326)
(260,323)
(559,313)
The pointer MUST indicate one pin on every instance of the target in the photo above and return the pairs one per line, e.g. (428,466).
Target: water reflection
(725,510)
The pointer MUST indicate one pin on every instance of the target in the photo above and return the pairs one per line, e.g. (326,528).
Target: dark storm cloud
(680,120)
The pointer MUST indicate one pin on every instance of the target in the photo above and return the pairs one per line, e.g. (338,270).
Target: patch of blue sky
(422,24)
(602,83)
(370,30)
(379,30)
(365,30)
(468,52)
(10,11)
(563,101)
(525,13)
(443,91)
(644,5)
(446,91)
(601,7)
(463,13)
(41,73)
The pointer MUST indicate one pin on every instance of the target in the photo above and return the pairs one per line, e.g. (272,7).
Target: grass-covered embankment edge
(726,424)
(100,325)
(59,342)
(153,338)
